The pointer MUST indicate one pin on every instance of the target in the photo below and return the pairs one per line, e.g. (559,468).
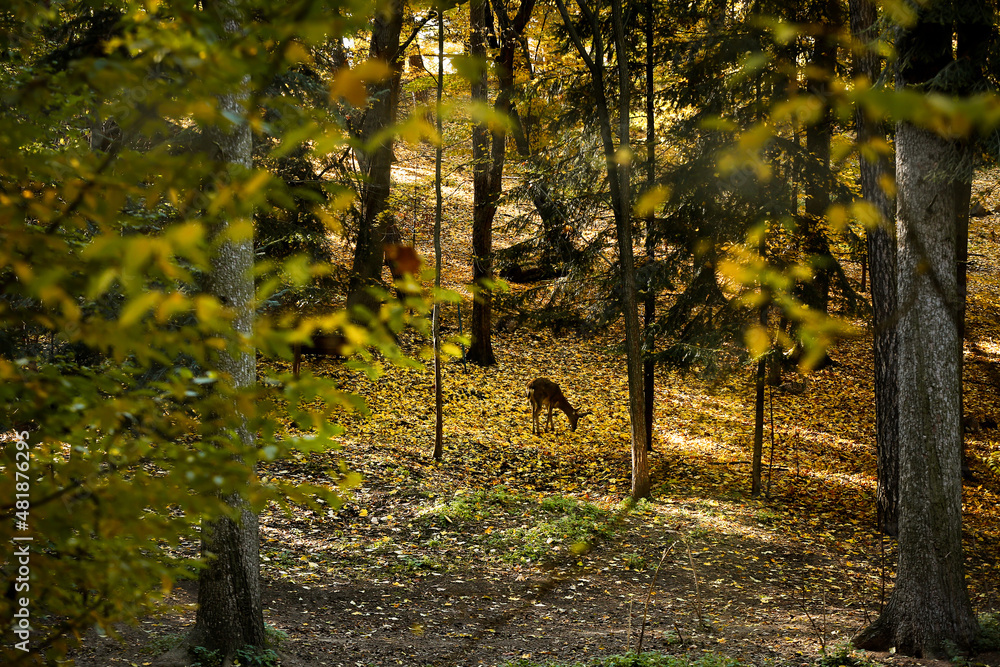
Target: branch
(575,36)
(413,35)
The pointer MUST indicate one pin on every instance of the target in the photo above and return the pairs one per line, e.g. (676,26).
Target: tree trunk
(619,181)
(881,248)
(485,194)
(963,200)
(758,424)
(230,613)
(623,204)
(929,610)
(816,293)
(488,161)
(376,166)
(649,309)
(439,210)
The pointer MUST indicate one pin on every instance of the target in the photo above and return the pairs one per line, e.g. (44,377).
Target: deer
(323,345)
(544,392)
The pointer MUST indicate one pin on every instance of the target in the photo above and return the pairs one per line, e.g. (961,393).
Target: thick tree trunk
(963,201)
(488,162)
(881,248)
(376,166)
(929,609)
(230,612)
(484,197)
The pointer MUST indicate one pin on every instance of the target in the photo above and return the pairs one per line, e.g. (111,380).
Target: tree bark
(623,222)
(649,309)
(929,609)
(758,424)
(881,247)
(439,211)
(489,152)
(484,199)
(963,200)
(619,181)
(230,612)
(376,165)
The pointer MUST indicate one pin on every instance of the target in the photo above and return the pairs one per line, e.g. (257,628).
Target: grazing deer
(545,392)
(324,345)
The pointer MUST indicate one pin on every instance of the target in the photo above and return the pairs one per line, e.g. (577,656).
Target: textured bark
(758,413)
(489,152)
(376,165)
(881,246)
(484,199)
(963,200)
(230,612)
(929,609)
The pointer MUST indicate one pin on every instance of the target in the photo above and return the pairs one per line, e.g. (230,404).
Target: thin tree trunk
(818,139)
(439,203)
(633,335)
(758,425)
(376,166)
(649,309)
(963,200)
(881,247)
(928,613)
(488,181)
(619,181)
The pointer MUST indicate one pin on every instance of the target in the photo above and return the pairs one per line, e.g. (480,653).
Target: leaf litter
(518,546)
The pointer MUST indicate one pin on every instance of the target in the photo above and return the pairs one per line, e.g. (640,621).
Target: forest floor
(517,547)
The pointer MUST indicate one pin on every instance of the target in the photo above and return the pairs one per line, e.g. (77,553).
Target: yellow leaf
(651,200)
(350,83)
(758,340)
(297,53)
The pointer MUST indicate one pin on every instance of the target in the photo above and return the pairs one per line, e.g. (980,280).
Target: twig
(628,631)
(649,594)
(816,628)
(697,590)
(770,463)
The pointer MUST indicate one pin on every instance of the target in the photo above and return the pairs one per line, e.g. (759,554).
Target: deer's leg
(548,422)
(535,409)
